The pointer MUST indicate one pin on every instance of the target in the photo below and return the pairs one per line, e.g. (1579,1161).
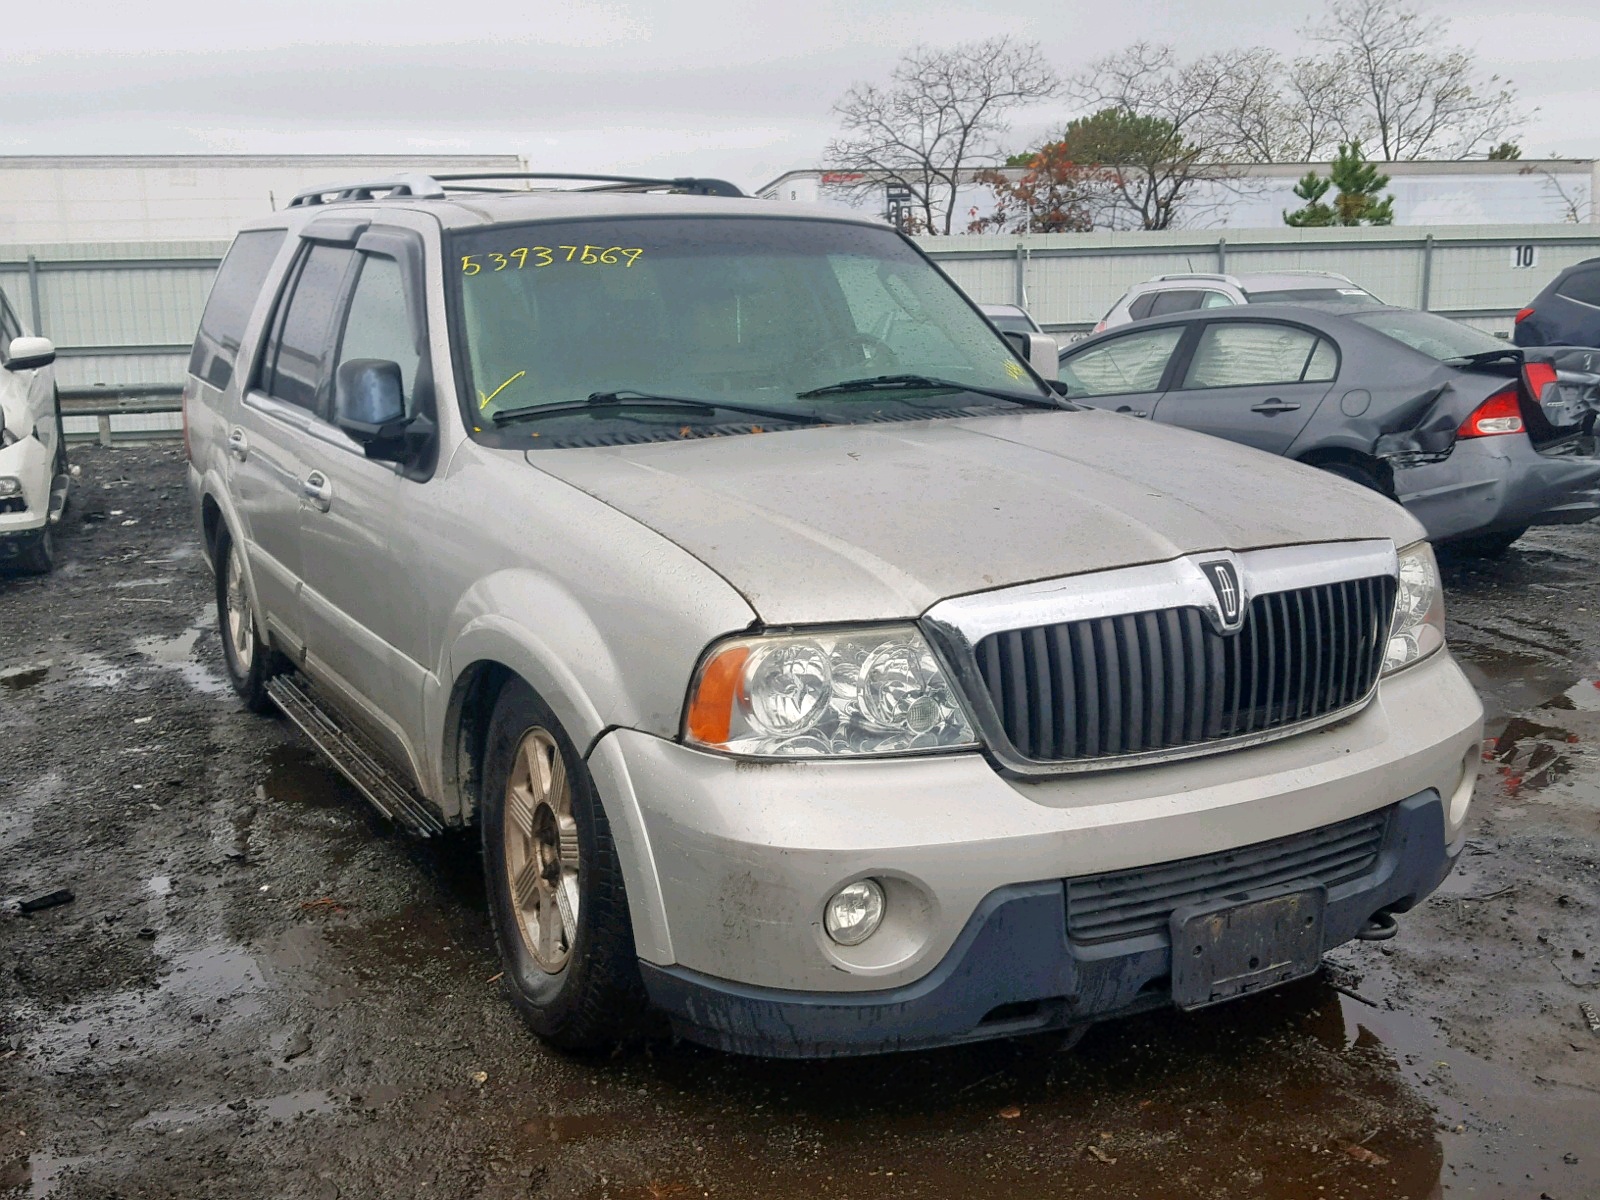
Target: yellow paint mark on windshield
(1015,370)
(483,401)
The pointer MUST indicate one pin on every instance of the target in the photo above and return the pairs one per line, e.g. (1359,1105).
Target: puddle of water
(158,885)
(296,775)
(287,1107)
(16,679)
(177,654)
(93,671)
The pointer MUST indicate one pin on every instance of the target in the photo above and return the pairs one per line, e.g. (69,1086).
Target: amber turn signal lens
(711,711)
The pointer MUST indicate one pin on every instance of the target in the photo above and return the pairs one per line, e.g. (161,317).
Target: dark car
(1566,313)
(1440,416)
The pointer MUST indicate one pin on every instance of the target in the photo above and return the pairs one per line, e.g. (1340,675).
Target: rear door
(1125,373)
(267,440)
(1256,382)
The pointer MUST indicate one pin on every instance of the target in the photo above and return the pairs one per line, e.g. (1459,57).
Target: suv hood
(880,521)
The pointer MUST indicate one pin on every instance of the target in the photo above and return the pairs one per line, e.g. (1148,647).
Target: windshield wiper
(906,383)
(630,399)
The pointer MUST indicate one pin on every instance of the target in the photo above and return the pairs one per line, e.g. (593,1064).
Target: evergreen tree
(1358,201)
(1311,188)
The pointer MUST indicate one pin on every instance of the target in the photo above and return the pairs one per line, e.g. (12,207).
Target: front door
(1256,382)
(1123,373)
(359,599)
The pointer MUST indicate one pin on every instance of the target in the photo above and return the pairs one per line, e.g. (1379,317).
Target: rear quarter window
(1582,286)
(233,296)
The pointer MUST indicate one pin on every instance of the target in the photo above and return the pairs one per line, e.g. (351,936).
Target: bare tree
(1409,99)
(940,116)
(1163,125)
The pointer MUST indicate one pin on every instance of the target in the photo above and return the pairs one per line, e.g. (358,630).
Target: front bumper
(728,864)
(1014,969)
(1495,484)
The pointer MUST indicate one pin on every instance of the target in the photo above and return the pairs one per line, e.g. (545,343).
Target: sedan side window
(1132,363)
(379,323)
(1582,286)
(1248,354)
(294,366)
(1182,300)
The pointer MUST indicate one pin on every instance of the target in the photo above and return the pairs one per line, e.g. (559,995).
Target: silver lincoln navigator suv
(816,675)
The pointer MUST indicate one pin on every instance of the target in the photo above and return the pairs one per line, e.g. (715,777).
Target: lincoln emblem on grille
(1225,582)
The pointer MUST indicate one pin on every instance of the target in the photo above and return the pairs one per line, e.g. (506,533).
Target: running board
(356,759)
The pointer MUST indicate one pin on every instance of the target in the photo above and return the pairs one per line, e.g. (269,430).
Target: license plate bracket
(1246,942)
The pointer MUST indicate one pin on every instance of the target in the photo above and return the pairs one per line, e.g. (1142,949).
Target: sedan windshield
(750,311)
(1437,337)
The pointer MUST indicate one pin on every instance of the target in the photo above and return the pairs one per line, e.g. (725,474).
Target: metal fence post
(1222,256)
(33,296)
(1427,272)
(1022,275)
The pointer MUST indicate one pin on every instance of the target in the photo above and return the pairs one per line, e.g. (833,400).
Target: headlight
(1418,626)
(10,486)
(821,694)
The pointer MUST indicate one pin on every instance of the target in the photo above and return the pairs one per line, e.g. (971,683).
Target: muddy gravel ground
(263,990)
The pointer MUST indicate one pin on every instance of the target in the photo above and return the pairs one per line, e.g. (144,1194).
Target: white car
(33,455)
(1167,294)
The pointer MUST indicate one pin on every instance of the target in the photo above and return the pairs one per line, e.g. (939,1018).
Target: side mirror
(1039,349)
(30,353)
(369,405)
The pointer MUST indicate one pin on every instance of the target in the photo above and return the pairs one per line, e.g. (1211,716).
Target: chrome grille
(1124,904)
(1147,682)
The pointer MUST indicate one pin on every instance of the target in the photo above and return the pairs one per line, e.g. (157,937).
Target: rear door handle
(1132,412)
(238,444)
(1273,406)
(318,490)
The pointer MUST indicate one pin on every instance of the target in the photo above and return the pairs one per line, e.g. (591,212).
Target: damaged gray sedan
(1479,440)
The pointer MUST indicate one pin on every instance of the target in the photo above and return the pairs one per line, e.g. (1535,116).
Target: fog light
(10,486)
(854,913)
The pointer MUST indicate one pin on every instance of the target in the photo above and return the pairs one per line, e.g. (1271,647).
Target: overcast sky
(737,88)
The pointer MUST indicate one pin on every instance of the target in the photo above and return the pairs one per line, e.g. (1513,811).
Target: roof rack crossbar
(407,184)
(687,183)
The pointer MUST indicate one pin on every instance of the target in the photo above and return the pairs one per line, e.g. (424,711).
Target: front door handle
(238,444)
(1132,412)
(318,490)
(1274,406)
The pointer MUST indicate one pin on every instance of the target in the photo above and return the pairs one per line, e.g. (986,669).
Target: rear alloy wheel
(248,661)
(555,882)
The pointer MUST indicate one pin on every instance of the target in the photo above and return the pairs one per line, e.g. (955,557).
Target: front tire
(1484,545)
(39,558)
(554,880)
(247,659)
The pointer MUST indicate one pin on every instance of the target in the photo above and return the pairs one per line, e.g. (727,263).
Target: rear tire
(248,660)
(1484,545)
(1355,473)
(554,880)
(39,558)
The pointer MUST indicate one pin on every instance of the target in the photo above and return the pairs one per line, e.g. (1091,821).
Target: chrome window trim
(956,626)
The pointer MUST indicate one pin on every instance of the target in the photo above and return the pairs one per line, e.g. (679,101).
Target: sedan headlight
(1418,626)
(825,694)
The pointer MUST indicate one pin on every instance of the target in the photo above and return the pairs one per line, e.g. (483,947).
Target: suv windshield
(745,311)
(1318,297)
(1437,337)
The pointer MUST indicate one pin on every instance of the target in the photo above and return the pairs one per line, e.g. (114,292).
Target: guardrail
(104,404)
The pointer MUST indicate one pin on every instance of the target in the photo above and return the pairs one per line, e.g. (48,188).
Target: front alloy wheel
(541,850)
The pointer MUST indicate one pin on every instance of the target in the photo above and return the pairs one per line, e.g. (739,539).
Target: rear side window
(1134,362)
(296,360)
(1217,300)
(1140,308)
(1182,300)
(1582,286)
(1248,353)
(233,295)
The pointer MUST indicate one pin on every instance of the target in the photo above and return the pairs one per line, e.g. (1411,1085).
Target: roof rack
(435,187)
(1195,275)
